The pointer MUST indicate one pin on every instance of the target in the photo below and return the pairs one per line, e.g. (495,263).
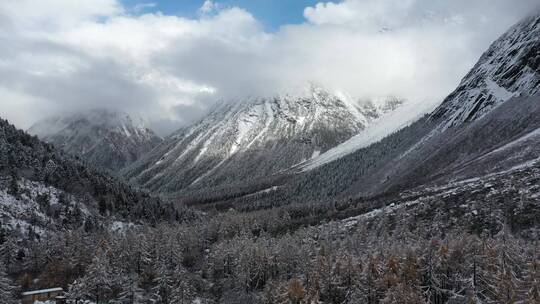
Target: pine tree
(183,291)
(506,279)
(164,286)
(7,290)
(98,279)
(130,292)
(14,188)
(531,282)
(77,291)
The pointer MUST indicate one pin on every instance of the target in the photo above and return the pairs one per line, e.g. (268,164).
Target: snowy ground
(464,203)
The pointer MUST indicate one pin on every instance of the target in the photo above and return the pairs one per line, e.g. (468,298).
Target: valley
(306,198)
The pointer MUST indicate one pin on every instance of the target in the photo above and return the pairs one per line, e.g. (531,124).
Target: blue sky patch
(271,13)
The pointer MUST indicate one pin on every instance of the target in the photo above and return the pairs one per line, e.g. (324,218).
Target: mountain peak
(253,138)
(106,138)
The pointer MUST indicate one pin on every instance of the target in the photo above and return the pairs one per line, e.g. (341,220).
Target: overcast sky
(169,60)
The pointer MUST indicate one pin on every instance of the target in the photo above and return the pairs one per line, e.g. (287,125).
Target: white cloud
(208,7)
(67,55)
(45,14)
(366,13)
(140,7)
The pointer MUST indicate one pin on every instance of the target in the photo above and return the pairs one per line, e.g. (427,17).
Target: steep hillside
(103,138)
(486,125)
(510,67)
(253,139)
(48,189)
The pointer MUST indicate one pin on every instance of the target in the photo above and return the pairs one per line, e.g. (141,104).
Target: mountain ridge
(510,66)
(253,138)
(104,138)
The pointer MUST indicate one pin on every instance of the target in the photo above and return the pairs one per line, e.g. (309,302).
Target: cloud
(209,7)
(59,56)
(50,14)
(367,13)
(140,7)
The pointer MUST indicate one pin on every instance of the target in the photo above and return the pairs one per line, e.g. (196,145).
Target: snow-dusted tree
(77,291)
(402,293)
(8,252)
(130,292)
(14,188)
(506,286)
(370,275)
(164,285)
(7,290)
(183,291)
(430,280)
(97,281)
(531,280)
(276,292)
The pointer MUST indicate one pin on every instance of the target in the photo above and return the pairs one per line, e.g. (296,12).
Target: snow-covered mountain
(510,67)
(103,138)
(254,138)
(489,124)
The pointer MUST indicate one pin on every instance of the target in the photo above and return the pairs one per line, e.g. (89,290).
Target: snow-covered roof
(33,292)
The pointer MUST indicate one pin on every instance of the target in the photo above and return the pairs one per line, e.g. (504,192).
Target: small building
(51,294)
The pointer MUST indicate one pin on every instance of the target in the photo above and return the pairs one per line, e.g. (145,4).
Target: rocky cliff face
(510,67)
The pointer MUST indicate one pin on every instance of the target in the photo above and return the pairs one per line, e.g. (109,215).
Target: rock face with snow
(490,124)
(105,139)
(253,138)
(511,66)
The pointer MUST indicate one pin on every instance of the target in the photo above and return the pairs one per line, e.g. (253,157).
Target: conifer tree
(164,284)
(7,290)
(183,291)
(97,281)
(531,280)
(130,292)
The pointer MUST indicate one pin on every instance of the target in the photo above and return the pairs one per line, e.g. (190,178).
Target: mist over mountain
(103,138)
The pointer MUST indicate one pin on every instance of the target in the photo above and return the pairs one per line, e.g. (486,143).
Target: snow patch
(524,138)
(384,126)
(498,91)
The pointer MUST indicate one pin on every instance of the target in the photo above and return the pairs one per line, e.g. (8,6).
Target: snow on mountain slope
(389,123)
(253,138)
(106,139)
(38,208)
(511,66)
(484,202)
(495,106)
(43,186)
